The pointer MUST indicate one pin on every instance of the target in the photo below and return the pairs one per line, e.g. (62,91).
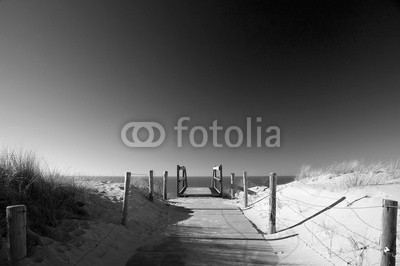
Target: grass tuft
(47,195)
(141,182)
(354,173)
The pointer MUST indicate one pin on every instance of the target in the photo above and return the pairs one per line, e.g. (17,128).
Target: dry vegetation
(49,196)
(142,183)
(354,173)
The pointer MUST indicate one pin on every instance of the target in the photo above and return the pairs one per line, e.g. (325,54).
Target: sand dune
(348,233)
(105,242)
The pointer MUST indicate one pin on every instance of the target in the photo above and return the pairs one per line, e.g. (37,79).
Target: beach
(104,241)
(347,233)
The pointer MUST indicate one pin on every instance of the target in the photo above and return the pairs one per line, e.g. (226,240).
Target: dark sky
(72,73)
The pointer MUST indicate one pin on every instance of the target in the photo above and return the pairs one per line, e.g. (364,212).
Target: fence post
(177,180)
(221,180)
(165,185)
(232,185)
(151,185)
(245,189)
(272,203)
(127,185)
(389,228)
(16,236)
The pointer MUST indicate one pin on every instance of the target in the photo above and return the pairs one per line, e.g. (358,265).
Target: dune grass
(48,195)
(355,173)
(141,182)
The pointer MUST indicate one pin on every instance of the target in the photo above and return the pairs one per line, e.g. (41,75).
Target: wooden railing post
(245,189)
(165,176)
(16,236)
(220,181)
(151,185)
(272,203)
(232,185)
(177,180)
(214,174)
(389,230)
(127,185)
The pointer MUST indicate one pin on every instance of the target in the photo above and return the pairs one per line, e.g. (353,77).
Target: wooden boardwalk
(216,233)
(200,192)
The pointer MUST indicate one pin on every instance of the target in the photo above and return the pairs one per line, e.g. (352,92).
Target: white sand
(102,242)
(348,233)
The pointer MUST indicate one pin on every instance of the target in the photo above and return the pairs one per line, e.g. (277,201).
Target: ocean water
(200,181)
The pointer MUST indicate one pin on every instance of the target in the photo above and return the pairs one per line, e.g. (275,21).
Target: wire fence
(320,233)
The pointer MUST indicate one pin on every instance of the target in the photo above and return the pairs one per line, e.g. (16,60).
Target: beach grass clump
(47,195)
(141,182)
(354,173)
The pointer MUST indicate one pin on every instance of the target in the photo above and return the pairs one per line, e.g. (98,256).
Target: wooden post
(389,228)
(16,236)
(272,203)
(245,189)
(177,180)
(214,174)
(220,180)
(165,185)
(127,186)
(151,185)
(232,185)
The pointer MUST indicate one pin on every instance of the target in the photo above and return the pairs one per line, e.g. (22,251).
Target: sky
(73,73)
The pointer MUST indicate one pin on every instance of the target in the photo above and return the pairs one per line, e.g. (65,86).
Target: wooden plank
(200,192)
(216,233)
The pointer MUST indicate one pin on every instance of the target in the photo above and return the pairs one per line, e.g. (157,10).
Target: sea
(202,181)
